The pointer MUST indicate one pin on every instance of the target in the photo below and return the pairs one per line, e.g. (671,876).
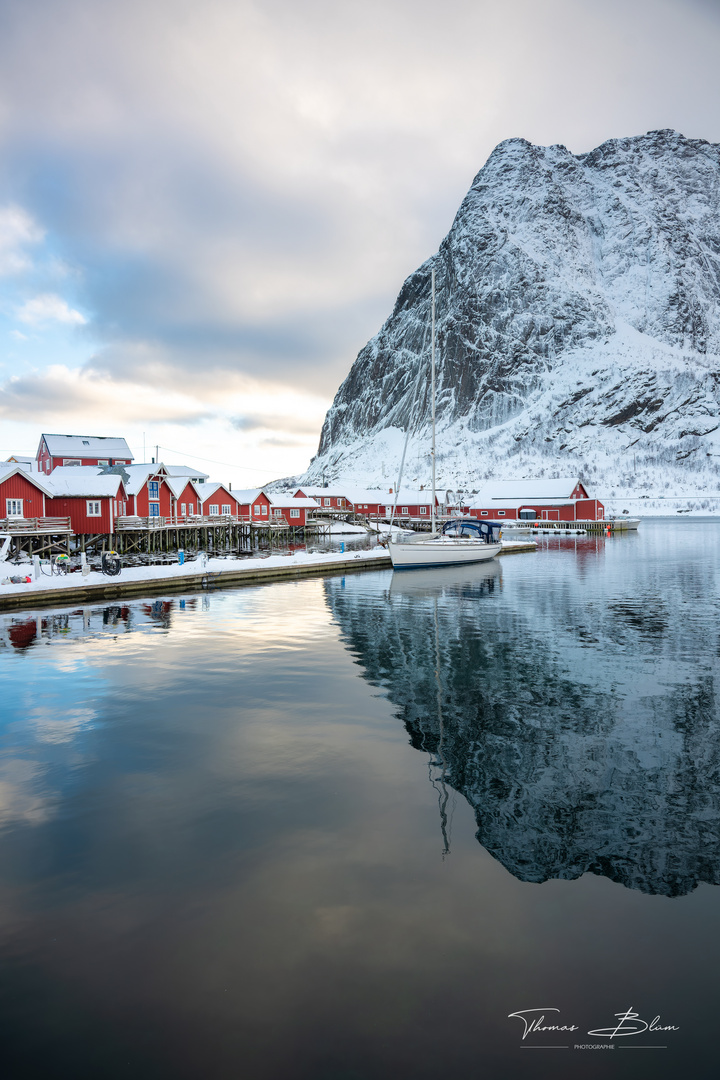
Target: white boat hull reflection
(461,583)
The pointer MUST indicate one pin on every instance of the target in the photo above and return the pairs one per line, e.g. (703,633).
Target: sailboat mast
(432,394)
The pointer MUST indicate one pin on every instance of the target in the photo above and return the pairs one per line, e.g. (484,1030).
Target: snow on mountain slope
(578,308)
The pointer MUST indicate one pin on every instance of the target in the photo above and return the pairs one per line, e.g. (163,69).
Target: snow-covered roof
(288,500)
(10,468)
(515,492)
(246,495)
(27,463)
(134,476)
(206,491)
(177,484)
(189,472)
(83,480)
(361,495)
(87,446)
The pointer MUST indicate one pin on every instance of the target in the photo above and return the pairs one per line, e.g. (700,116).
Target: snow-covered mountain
(578,308)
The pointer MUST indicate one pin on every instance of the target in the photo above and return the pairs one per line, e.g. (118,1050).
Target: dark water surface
(339,829)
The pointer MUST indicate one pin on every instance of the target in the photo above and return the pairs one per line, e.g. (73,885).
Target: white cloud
(17,230)
(18,335)
(49,308)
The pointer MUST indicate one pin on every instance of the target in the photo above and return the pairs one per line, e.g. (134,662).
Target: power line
(229,464)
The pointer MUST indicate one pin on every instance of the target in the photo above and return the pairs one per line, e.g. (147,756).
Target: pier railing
(17,526)
(128,523)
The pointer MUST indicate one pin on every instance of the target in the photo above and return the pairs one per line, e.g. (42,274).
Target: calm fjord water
(342,828)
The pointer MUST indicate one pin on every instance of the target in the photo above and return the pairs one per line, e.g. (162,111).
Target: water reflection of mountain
(572,755)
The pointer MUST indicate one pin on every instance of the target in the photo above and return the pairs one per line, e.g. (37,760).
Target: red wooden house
(294,510)
(149,494)
(332,498)
(563,499)
(59,450)
(185,501)
(253,504)
(22,494)
(92,500)
(217,500)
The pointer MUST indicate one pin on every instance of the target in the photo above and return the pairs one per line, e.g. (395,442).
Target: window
(13,507)
(404,510)
(183,510)
(423,509)
(340,502)
(277,512)
(72,461)
(191,508)
(501,513)
(213,509)
(101,462)
(483,513)
(93,508)
(227,509)
(294,513)
(86,442)
(47,465)
(256,511)
(264,509)
(326,502)
(154,489)
(120,462)
(154,510)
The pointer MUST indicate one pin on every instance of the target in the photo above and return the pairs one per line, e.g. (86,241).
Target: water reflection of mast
(439,782)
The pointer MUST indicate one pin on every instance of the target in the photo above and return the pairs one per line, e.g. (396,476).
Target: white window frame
(183,509)
(256,510)
(483,513)
(226,509)
(501,513)
(263,510)
(103,461)
(14,508)
(121,462)
(277,511)
(93,508)
(72,461)
(423,509)
(405,511)
(294,513)
(213,509)
(327,502)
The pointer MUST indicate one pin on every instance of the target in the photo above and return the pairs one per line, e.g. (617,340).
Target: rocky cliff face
(578,303)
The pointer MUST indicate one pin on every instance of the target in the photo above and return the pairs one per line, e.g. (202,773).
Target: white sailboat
(460,541)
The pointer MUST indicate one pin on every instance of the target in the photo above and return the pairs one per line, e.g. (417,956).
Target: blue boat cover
(489,531)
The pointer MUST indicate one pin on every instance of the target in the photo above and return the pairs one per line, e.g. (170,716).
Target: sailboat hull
(409,555)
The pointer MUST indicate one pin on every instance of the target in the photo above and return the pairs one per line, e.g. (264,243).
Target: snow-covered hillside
(578,305)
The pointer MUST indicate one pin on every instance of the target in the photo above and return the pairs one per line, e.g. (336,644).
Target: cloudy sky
(208,206)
